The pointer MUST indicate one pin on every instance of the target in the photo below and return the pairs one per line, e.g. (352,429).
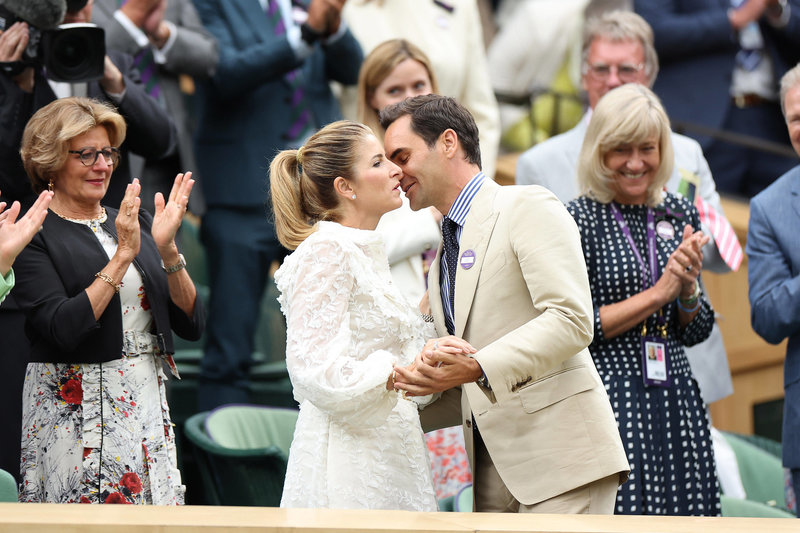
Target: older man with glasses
(618,49)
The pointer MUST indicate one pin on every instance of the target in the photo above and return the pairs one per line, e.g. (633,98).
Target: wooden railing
(76,518)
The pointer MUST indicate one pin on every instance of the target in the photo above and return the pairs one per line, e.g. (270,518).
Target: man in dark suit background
(167,41)
(720,65)
(269,93)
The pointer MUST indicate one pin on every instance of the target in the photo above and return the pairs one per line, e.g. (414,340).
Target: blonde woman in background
(451,35)
(393,71)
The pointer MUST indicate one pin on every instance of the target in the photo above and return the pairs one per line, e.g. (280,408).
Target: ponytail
(291,221)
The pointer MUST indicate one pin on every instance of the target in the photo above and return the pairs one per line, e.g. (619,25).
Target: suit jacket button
(468,423)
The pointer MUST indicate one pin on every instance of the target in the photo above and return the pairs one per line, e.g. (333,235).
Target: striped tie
(724,236)
(301,120)
(450,242)
(145,63)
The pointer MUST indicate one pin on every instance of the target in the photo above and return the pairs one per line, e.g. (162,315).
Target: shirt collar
(460,208)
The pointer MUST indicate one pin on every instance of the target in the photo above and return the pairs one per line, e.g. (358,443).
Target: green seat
(768,445)
(8,487)
(761,472)
(463,502)
(737,507)
(241,451)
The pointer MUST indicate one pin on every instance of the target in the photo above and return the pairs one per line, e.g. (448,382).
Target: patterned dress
(665,431)
(356,445)
(101,433)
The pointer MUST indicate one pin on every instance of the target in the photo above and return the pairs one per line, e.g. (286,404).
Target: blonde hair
(301,181)
(377,66)
(789,81)
(628,114)
(45,141)
(619,26)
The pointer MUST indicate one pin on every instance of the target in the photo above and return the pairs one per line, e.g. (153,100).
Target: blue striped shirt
(458,214)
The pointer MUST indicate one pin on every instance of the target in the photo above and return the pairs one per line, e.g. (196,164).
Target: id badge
(655,362)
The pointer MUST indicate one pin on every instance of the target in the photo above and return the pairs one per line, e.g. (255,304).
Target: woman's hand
(686,261)
(683,267)
(168,216)
(129,237)
(16,234)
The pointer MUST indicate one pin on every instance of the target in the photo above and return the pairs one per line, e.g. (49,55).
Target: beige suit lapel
(475,237)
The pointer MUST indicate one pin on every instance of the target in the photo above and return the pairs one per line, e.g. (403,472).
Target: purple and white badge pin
(467,259)
(665,230)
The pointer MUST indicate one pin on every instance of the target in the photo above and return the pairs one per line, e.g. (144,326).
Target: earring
(354,196)
(50,186)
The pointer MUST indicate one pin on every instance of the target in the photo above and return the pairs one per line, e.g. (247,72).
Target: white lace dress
(356,444)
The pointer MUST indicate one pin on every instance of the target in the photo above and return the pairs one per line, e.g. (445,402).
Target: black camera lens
(74,52)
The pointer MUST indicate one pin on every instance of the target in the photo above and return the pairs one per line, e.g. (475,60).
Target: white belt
(137,343)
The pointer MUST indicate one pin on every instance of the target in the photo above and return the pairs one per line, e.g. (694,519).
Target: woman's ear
(343,188)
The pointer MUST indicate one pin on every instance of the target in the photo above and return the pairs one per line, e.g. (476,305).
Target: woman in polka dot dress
(644,258)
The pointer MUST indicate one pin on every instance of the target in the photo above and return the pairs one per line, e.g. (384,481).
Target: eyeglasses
(626,72)
(89,155)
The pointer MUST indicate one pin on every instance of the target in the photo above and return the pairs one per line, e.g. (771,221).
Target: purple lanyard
(651,244)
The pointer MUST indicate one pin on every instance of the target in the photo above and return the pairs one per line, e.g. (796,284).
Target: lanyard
(651,252)
(651,244)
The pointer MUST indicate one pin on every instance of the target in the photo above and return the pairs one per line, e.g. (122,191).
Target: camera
(70,52)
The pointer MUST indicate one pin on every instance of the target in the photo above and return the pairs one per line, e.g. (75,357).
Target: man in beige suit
(540,432)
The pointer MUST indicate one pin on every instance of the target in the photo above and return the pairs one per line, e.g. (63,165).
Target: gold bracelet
(108,279)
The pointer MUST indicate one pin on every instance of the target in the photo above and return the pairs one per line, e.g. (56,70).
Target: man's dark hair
(431,115)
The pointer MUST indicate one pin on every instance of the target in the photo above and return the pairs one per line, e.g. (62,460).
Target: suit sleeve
(240,71)
(343,59)
(151,132)
(62,320)
(774,291)
(195,51)
(681,34)
(547,246)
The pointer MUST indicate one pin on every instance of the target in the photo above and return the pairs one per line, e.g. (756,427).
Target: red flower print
(72,392)
(145,301)
(84,499)
(131,481)
(116,497)
(86,452)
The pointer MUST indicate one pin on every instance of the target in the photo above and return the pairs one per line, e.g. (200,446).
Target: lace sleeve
(322,357)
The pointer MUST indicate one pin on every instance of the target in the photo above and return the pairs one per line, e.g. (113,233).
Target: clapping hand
(169,215)
(684,265)
(128,232)
(16,234)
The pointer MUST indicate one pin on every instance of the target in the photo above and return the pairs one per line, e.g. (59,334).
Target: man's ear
(449,140)
(343,188)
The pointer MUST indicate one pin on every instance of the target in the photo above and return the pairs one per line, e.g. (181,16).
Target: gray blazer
(773,252)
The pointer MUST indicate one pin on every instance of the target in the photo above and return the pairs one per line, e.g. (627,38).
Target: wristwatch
(180,265)
(309,34)
(483,382)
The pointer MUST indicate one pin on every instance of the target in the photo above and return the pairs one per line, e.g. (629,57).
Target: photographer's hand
(12,45)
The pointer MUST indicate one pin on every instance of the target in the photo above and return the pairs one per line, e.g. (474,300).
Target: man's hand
(324,16)
(443,364)
(749,11)
(138,10)
(112,81)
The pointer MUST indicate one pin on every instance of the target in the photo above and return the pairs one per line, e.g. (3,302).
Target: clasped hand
(442,364)
(684,266)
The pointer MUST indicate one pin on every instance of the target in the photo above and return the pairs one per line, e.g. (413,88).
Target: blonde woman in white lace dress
(358,443)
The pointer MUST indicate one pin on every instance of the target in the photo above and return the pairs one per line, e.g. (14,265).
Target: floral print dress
(101,433)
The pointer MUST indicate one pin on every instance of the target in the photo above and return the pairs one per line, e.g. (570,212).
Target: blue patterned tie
(450,256)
